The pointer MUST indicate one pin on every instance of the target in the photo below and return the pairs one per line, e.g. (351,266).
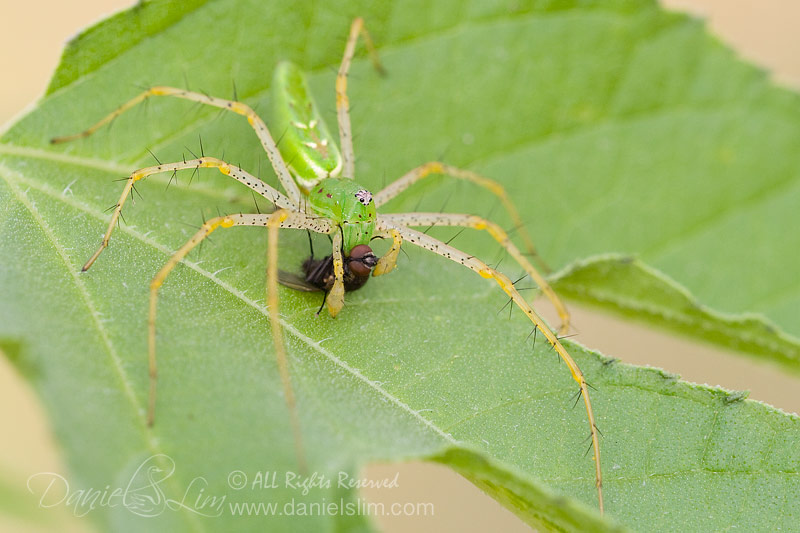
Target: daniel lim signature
(144,494)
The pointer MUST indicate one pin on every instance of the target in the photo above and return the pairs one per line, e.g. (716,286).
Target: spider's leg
(279,219)
(434,167)
(236,173)
(438,247)
(273,225)
(289,185)
(342,103)
(335,296)
(389,260)
(499,235)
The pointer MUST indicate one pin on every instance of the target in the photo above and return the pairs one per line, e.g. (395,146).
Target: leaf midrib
(11,176)
(99,164)
(593,295)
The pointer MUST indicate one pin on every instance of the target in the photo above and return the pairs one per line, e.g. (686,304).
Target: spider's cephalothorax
(315,161)
(349,205)
(319,195)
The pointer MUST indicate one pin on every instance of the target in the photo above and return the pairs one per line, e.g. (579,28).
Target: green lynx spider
(321,196)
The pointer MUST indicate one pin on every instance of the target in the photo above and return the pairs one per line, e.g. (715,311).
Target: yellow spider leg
(206,162)
(499,235)
(255,121)
(281,218)
(273,225)
(335,297)
(434,167)
(342,103)
(434,245)
(387,263)
(158,280)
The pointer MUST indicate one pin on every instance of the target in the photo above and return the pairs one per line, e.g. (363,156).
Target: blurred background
(764,32)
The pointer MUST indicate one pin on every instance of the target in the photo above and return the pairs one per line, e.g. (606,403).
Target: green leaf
(21,509)
(637,291)
(617,127)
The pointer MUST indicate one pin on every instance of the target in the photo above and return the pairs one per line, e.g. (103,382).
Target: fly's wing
(298,283)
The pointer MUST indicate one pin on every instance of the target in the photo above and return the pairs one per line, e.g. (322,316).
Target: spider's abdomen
(305,142)
(348,205)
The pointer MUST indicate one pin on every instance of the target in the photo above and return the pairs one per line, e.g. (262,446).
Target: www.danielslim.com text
(330,508)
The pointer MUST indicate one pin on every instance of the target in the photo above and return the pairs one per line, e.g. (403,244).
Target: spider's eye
(364,196)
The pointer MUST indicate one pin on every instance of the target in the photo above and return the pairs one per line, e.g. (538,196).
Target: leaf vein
(255,305)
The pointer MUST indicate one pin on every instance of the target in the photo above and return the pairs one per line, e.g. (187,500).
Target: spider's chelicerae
(321,195)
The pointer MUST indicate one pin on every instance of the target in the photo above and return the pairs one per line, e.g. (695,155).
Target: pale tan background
(33,33)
